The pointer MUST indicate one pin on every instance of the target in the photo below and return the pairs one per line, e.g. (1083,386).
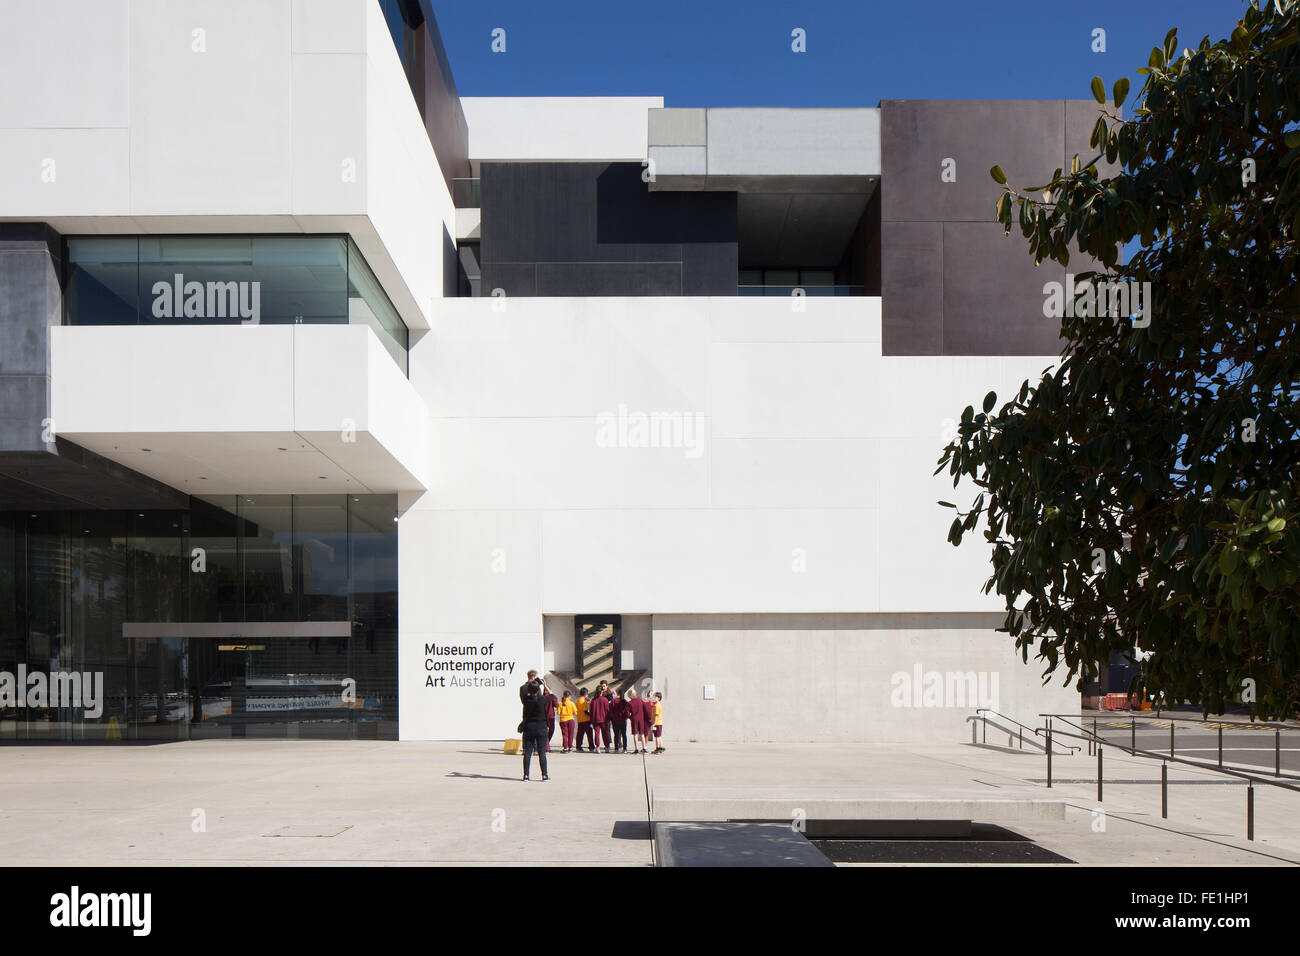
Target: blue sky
(714,53)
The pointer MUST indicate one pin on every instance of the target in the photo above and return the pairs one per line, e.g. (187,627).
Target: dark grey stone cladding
(951,283)
(594,229)
(33,474)
(30,302)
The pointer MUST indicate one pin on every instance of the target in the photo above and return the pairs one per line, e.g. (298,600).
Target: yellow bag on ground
(513,746)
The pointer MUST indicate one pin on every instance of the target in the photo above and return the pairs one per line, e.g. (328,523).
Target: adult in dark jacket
(534,728)
(533,680)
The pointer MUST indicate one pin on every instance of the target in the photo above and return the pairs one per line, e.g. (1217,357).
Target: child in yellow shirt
(659,723)
(567,712)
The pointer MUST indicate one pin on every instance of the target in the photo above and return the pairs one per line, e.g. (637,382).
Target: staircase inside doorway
(597,640)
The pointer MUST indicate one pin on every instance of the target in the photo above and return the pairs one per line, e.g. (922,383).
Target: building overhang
(291,409)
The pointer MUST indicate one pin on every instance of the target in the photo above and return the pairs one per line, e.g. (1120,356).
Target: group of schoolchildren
(601,720)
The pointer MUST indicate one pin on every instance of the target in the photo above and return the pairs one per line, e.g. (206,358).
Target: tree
(1144,490)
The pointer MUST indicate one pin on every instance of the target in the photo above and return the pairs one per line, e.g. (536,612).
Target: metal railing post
(1220,745)
(1171,738)
(985,738)
(1097,743)
(1250,810)
(1277,753)
(1164,791)
(1022,738)
(1133,740)
(1099,774)
(1049,755)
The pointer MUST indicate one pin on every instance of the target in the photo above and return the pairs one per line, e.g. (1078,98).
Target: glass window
(214,583)
(69,580)
(103,282)
(266,540)
(320,533)
(229,280)
(368,305)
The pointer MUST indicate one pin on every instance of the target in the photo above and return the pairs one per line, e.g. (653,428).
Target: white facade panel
(211,107)
(48,49)
(708,561)
(46,173)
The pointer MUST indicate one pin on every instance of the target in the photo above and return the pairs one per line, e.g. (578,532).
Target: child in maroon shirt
(598,708)
(551,702)
(618,714)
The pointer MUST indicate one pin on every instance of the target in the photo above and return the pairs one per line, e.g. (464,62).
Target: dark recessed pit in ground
(921,841)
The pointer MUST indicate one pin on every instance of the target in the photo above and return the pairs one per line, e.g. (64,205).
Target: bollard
(1250,810)
(1171,738)
(1164,791)
(1099,774)
(1133,739)
(1220,745)
(1277,753)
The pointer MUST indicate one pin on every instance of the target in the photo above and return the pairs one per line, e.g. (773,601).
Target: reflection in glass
(228,280)
(69,580)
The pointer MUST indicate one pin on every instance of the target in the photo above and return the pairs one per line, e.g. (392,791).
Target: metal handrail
(1148,715)
(1139,752)
(1204,722)
(1067,748)
(1165,759)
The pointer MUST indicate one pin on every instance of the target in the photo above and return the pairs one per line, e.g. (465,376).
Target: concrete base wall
(877,678)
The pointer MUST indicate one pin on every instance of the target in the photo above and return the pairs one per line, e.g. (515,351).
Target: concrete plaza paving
(412,803)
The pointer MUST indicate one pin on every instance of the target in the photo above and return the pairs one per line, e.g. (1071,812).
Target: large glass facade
(228,280)
(321,569)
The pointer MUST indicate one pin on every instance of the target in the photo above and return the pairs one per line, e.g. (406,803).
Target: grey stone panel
(912,287)
(592,216)
(794,142)
(992,294)
(678,161)
(711,268)
(1025,137)
(1080,117)
(609,278)
(30,302)
(989,291)
(677,127)
(516,278)
(25,310)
